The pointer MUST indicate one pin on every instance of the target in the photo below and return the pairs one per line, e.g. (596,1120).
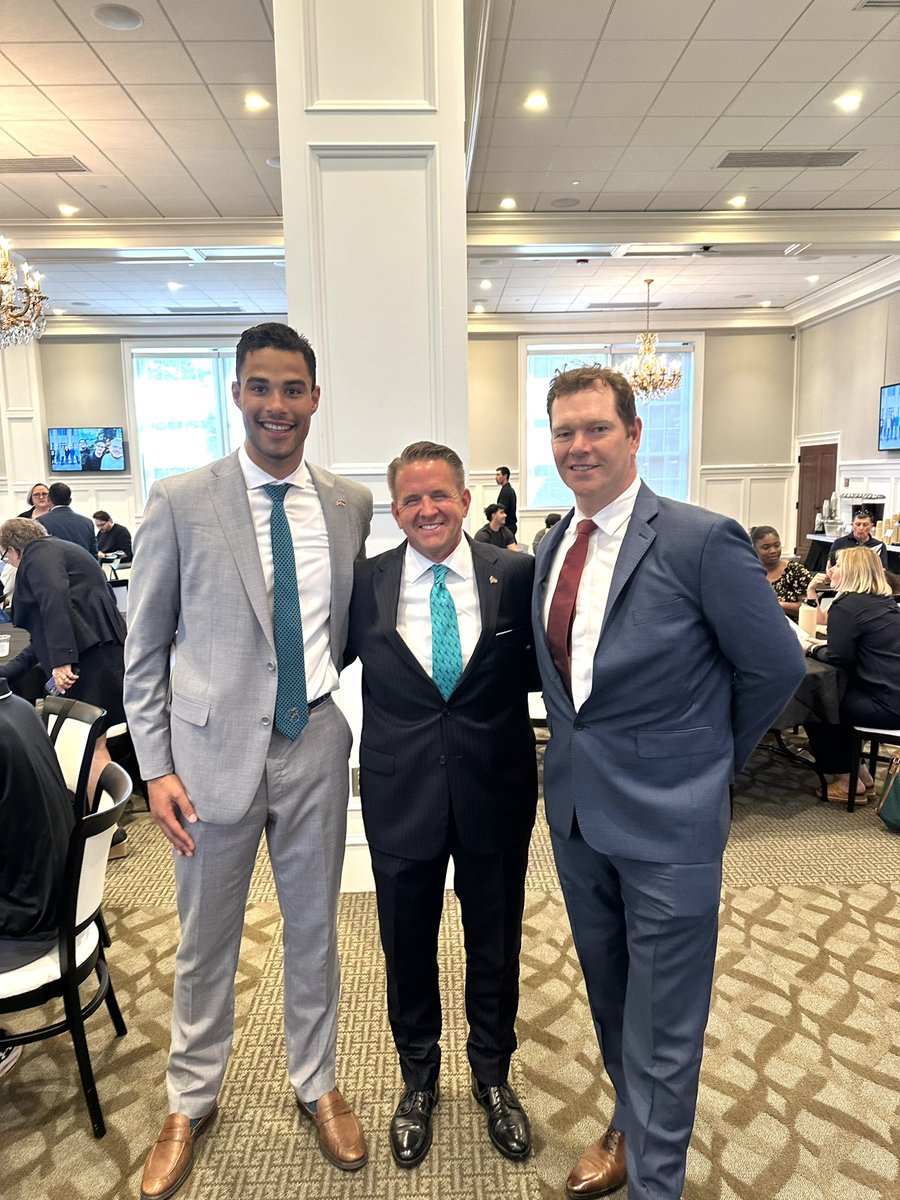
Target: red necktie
(562,606)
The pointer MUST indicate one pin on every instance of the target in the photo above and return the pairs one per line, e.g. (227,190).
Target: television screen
(89,448)
(889,420)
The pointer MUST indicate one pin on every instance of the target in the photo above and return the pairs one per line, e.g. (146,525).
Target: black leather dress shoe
(507,1122)
(411,1126)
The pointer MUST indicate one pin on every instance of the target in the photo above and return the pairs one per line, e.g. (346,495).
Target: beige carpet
(799,1092)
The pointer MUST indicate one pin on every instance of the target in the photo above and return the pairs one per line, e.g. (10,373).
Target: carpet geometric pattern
(799,1089)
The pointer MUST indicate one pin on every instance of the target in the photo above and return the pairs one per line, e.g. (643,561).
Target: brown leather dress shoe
(172,1155)
(341,1137)
(600,1170)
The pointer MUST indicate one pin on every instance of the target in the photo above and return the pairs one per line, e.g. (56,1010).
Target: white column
(23,448)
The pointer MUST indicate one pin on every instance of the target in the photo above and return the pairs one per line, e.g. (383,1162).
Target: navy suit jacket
(422,758)
(71,526)
(695,658)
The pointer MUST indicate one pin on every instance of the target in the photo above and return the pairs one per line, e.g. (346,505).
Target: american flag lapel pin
(342,503)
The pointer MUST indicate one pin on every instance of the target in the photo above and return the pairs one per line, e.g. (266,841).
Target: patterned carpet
(799,1092)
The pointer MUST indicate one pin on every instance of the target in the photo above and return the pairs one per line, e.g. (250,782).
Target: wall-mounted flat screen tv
(889,418)
(87,448)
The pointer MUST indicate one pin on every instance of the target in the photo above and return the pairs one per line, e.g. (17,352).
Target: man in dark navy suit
(447,769)
(664,655)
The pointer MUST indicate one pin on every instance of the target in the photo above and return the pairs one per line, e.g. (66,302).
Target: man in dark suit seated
(447,769)
(111,537)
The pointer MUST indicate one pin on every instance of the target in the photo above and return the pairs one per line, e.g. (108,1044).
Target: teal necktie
(291,708)
(446,654)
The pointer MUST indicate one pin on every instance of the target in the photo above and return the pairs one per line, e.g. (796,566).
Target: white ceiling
(645,99)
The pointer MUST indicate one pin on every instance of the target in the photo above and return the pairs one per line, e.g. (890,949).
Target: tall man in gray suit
(664,656)
(246,565)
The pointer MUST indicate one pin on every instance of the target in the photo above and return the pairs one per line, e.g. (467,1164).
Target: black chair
(79,951)
(861,734)
(73,727)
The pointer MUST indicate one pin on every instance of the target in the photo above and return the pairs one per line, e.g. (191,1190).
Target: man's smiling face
(593,451)
(276,396)
(429,507)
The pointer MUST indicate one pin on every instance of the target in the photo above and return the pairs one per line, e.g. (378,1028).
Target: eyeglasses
(3,555)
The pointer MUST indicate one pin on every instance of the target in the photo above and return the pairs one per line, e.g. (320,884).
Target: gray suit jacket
(694,660)
(197,582)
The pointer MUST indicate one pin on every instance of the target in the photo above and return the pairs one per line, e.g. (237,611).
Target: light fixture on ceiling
(253,102)
(812,279)
(67,210)
(738,201)
(22,315)
(537,102)
(849,102)
(118,17)
(274,162)
(565,202)
(486,285)
(650,376)
(479,308)
(507,202)
(576,183)
(765,304)
(174,287)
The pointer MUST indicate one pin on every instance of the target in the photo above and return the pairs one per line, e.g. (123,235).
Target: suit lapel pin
(492,579)
(342,503)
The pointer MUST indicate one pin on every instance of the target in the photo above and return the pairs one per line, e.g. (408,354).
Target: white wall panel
(349,42)
(751,494)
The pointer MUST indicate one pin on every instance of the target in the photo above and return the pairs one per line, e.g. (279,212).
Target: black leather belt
(321,700)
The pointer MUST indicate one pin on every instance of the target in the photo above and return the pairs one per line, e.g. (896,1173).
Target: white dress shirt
(593,590)
(310,539)
(414,609)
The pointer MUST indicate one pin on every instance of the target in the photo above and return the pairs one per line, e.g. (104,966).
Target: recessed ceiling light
(58,312)
(738,201)
(849,102)
(507,202)
(478,308)
(274,163)
(174,287)
(486,285)
(67,210)
(576,183)
(253,102)
(537,102)
(565,202)
(118,17)
(812,279)
(489,262)
(765,304)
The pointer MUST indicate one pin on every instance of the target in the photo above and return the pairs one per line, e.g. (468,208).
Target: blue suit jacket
(694,660)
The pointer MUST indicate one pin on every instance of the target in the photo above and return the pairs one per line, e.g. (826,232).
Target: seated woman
(863,639)
(787,577)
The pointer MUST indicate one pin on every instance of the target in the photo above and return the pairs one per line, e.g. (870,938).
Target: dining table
(29,686)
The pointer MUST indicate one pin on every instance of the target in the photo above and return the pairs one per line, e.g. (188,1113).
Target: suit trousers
(646,934)
(491,893)
(301,804)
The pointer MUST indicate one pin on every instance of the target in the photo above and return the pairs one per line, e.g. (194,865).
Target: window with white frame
(664,456)
(184,416)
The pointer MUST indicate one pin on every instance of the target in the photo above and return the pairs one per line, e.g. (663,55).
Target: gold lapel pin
(342,503)
(492,580)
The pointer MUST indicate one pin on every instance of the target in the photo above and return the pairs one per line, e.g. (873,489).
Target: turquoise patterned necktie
(291,708)
(446,654)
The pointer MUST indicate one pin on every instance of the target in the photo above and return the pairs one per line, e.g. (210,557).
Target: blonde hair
(861,571)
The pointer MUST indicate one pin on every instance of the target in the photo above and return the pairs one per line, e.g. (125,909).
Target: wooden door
(818,476)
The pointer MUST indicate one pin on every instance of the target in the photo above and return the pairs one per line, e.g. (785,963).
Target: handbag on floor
(889,804)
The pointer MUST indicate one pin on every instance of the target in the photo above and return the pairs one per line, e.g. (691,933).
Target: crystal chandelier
(22,315)
(650,376)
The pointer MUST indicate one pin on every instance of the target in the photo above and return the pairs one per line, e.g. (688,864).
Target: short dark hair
(579,379)
(422,452)
(504,471)
(551,519)
(493,508)
(102,515)
(277,336)
(60,494)
(758,532)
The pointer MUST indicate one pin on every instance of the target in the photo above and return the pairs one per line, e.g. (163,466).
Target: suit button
(271,666)
(265,721)
(579,724)
(443,760)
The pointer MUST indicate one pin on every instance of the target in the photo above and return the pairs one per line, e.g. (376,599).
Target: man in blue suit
(664,656)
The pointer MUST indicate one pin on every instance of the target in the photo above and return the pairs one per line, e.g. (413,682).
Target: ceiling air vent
(46,165)
(210,310)
(798,159)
